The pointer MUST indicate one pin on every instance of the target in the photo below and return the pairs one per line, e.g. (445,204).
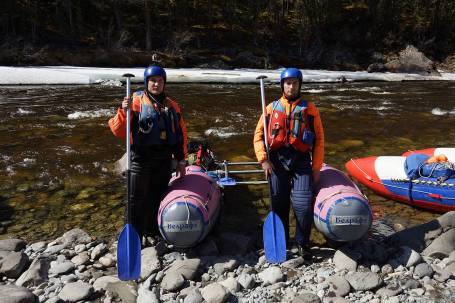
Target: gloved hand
(267,166)
(126,103)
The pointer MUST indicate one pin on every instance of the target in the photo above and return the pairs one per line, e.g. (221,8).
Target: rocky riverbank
(407,60)
(413,265)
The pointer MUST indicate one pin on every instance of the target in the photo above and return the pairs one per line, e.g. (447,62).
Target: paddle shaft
(128,151)
(264,117)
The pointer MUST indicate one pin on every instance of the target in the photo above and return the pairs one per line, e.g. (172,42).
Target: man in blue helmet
(158,135)
(296,140)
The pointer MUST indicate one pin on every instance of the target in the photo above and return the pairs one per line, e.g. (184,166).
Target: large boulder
(14,264)
(420,236)
(411,60)
(376,68)
(441,246)
(76,291)
(36,274)
(16,294)
(448,65)
(12,244)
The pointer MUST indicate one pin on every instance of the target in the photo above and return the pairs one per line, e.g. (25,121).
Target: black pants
(291,182)
(148,183)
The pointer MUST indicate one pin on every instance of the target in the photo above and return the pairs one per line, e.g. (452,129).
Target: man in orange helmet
(296,140)
(158,135)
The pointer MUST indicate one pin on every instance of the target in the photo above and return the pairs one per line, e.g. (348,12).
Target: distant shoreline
(73,75)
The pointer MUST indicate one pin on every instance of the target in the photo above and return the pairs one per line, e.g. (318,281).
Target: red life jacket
(292,130)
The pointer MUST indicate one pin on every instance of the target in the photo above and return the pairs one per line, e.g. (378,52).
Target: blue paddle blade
(227,181)
(274,239)
(129,254)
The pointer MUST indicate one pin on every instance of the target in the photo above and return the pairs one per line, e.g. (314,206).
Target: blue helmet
(291,73)
(154,70)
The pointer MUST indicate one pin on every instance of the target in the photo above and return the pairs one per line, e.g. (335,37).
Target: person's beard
(293,97)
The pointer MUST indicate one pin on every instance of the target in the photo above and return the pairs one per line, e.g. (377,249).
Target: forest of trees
(304,28)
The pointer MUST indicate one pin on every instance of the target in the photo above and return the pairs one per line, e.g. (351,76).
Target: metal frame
(226,164)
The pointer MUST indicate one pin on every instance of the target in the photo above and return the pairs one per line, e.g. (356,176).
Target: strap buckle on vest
(275,130)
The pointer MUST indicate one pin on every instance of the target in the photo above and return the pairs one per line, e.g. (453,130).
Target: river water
(57,152)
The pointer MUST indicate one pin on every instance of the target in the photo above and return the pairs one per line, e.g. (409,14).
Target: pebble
(72,270)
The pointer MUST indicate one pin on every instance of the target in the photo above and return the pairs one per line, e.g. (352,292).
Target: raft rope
(188,208)
(369,178)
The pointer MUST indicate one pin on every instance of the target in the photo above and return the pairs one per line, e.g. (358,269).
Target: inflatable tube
(189,209)
(341,211)
(387,177)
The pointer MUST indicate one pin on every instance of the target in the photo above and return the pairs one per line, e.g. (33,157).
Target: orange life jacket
(293,129)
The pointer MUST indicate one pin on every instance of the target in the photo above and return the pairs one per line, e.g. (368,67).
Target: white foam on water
(80,168)
(44,174)
(236,114)
(347,106)
(5,158)
(10,170)
(338,97)
(92,114)
(315,91)
(369,89)
(382,93)
(23,112)
(99,165)
(65,149)
(65,125)
(221,132)
(439,112)
(381,108)
(27,162)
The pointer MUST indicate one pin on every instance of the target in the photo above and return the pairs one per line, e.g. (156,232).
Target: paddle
(129,243)
(273,230)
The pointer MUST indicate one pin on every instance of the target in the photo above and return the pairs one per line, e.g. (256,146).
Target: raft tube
(386,176)
(190,208)
(341,212)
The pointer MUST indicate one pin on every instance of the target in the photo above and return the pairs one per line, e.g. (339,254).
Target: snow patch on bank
(113,76)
